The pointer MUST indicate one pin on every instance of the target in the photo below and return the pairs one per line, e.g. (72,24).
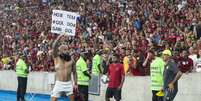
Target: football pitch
(11,96)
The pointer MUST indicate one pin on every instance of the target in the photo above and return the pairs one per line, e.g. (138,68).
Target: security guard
(96,64)
(22,73)
(83,76)
(96,71)
(156,72)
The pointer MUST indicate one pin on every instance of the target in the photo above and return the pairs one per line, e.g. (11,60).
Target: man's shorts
(113,92)
(62,87)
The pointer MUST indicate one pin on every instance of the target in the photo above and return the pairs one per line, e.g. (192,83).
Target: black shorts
(83,90)
(113,92)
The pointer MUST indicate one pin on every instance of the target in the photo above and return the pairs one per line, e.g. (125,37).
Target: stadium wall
(135,88)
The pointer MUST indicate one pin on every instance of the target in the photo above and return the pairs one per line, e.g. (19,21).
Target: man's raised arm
(55,46)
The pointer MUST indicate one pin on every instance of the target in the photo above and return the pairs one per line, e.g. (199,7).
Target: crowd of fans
(127,27)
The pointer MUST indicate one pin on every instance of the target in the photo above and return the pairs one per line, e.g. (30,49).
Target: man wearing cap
(156,72)
(171,76)
(83,76)
(22,73)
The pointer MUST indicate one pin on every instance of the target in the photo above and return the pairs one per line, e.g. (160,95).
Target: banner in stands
(64,22)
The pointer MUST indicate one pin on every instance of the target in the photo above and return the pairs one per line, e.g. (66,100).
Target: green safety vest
(95,62)
(81,66)
(21,68)
(156,69)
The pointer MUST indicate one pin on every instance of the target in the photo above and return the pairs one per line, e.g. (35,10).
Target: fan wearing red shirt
(185,63)
(116,79)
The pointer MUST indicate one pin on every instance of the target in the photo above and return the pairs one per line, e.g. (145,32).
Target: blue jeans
(169,96)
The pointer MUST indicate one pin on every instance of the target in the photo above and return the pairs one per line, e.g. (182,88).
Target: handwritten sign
(64,22)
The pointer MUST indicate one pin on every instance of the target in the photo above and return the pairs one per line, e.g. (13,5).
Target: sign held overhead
(64,22)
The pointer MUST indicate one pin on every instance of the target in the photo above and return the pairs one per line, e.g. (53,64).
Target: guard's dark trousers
(21,89)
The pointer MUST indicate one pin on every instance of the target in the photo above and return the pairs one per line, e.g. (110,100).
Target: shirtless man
(65,72)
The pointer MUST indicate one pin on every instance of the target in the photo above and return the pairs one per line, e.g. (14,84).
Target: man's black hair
(65,56)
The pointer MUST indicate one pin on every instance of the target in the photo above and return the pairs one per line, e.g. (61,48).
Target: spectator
(25,26)
(185,63)
(126,62)
(198,30)
(198,62)
(193,56)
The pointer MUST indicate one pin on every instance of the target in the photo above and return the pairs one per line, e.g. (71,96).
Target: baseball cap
(167,52)
(160,93)
(106,49)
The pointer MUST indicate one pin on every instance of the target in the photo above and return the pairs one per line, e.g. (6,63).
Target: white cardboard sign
(64,22)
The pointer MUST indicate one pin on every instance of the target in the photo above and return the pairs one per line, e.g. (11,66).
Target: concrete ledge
(37,82)
(134,89)
(138,89)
